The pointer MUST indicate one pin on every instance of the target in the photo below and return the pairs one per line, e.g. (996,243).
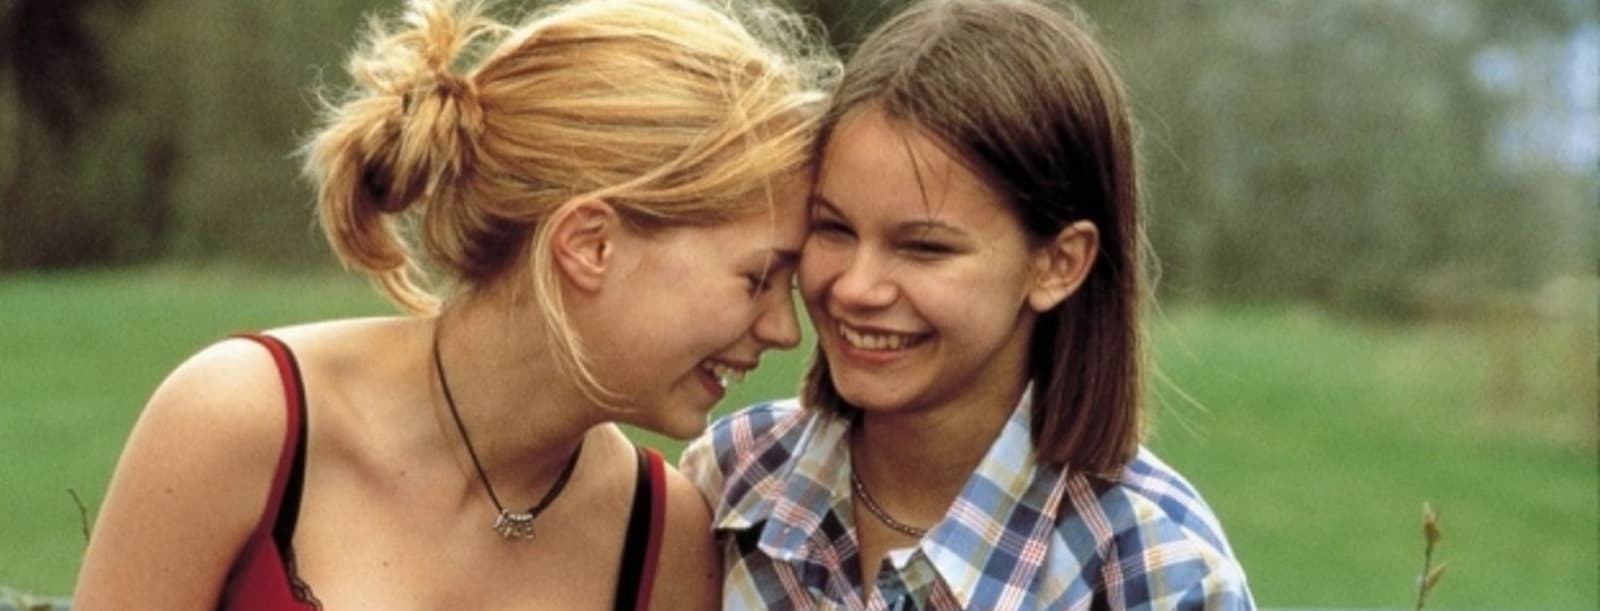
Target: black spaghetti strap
(283,506)
(635,547)
(289,512)
(283,525)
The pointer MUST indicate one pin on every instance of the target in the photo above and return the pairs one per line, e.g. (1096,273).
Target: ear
(1061,266)
(583,241)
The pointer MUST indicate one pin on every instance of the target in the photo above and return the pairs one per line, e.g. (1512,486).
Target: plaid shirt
(1021,535)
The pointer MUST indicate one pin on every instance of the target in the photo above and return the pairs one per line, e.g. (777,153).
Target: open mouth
(879,341)
(725,374)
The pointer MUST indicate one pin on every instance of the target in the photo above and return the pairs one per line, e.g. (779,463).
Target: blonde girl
(592,217)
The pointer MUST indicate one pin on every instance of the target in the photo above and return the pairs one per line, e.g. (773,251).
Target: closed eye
(920,247)
(830,227)
(764,281)
(759,283)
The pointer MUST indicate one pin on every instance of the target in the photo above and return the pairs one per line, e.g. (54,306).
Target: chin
(870,401)
(869,394)
(870,405)
(683,428)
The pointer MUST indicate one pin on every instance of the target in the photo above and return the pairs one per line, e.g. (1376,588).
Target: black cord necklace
(511,525)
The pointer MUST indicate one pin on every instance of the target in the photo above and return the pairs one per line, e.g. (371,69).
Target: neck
(916,462)
(523,417)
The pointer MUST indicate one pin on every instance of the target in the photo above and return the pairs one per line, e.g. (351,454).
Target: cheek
(723,309)
(718,311)
(819,265)
(982,298)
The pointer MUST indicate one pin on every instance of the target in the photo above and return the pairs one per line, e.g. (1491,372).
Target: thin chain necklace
(511,525)
(878,512)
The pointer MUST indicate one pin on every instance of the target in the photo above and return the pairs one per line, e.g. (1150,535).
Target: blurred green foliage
(1353,154)
(1397,157)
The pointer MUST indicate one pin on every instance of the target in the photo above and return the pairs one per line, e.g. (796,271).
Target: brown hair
(676,112)
(1023,95)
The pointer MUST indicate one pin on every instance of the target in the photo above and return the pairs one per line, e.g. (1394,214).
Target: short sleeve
(699,464)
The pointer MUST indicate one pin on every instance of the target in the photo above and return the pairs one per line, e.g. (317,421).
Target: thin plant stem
(1422,578)
(83,514)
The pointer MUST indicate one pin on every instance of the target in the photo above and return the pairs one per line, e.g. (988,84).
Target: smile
(878,341)
(726,374)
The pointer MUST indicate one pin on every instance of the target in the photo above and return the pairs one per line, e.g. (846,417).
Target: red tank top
(263,576)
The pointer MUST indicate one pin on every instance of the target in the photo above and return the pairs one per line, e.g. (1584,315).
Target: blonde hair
(676,112)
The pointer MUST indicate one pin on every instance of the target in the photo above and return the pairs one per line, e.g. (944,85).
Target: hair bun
(427,146)
(446,86)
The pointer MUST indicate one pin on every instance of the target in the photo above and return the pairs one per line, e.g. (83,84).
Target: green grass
(1315,439)
(79,354)
(1317,442)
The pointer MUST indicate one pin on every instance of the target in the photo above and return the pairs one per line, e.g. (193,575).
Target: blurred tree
(242,100)
(160,128)
(54,66)
(1371,154)
(848,21)
(1340,152)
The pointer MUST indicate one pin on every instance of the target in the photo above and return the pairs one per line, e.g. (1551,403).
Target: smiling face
(691,309)
(917,276)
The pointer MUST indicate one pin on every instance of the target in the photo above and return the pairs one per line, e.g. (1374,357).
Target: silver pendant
(515,526)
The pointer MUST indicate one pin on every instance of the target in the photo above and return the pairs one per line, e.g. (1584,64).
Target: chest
(380,562)
(881,577)
(394,546)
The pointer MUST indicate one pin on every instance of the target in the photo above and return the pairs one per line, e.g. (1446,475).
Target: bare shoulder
(690,576)
(686,507)
(201,459)
(227,398)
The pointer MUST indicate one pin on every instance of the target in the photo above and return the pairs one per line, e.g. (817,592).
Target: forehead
(775,219)
(874,164)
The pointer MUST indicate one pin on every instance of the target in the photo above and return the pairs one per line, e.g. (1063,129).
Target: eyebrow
(925,225)
(781,258)
(820,200)
(929,226)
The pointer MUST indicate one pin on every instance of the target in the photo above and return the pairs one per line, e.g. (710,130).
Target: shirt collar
(1010,497)
(811,478)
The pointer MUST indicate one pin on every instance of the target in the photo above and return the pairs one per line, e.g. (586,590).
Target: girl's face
(917,275)
(693,309)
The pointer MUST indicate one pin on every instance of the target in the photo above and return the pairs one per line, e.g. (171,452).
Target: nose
(776,325)
(862,282)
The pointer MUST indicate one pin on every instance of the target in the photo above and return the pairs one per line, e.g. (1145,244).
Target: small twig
(83,515)
(1422,579)
(1430,575)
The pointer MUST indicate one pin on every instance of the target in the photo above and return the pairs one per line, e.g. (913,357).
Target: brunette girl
(970,436)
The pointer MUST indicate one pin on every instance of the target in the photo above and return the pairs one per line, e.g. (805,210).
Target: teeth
(874,341)
(726,375)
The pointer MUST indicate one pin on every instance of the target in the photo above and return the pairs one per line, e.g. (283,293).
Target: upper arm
(190,486)
(1221,587)
(1177,569)
(689,574)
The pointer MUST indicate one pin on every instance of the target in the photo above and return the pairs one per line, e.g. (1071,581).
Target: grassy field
(1316,439)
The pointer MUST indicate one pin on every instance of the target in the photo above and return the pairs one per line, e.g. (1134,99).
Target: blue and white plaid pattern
(1021,535)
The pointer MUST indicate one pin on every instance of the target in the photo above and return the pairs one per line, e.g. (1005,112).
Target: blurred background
(1376,223)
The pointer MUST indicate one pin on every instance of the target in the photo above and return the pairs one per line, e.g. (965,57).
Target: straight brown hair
(1023,95)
